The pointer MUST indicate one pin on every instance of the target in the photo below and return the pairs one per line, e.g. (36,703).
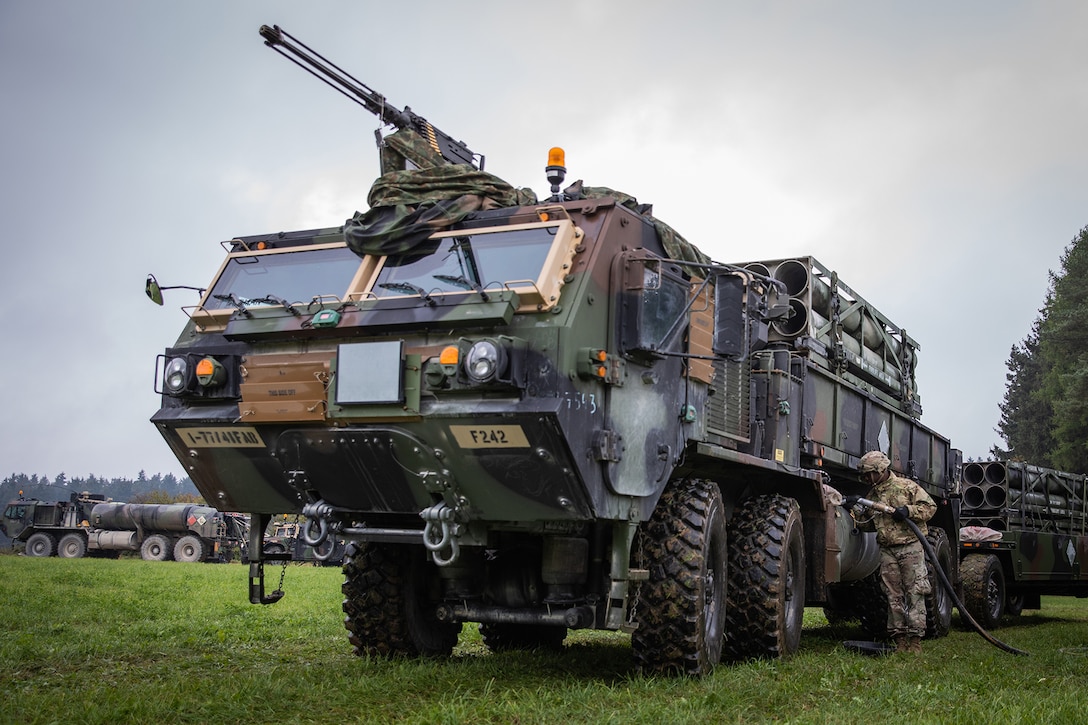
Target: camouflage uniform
(903,570)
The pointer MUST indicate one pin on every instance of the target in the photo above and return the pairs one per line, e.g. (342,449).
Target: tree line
(158,488)
(1044,414)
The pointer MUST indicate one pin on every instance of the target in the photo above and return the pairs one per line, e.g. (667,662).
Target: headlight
(485,361)
(176,375)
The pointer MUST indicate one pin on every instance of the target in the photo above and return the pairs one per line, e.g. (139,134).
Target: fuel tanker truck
(90,523)
(545,415)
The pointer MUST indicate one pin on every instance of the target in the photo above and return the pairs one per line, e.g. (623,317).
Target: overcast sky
(933,153)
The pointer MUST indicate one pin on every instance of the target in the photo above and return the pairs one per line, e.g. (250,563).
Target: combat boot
(902,643)
(914,646)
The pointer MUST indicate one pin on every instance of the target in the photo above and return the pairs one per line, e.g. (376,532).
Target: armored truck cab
(543,417)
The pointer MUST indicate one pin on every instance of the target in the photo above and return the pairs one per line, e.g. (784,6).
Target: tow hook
(440,534)
(316,529)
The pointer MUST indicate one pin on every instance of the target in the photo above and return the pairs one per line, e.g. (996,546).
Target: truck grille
(729,406)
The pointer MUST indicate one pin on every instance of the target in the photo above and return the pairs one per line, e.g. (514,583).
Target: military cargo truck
(91,523)
(1025,534)
(285,537)
(545,415)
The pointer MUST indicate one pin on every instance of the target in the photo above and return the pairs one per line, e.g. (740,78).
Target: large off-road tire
(41,544)
(680,609)
(509,637)
(390,595)
(939,600)
(765,605)
(72,546)
(872,607)
(189,549)
(1014,604)
(983,588)
(156,548)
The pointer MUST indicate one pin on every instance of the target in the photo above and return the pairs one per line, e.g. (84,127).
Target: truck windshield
(295,276)
(466,262)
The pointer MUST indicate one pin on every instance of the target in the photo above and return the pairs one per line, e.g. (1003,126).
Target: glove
(901,514)
(850,502)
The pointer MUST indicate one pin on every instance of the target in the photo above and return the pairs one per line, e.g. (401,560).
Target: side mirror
(154,292)
(154,289)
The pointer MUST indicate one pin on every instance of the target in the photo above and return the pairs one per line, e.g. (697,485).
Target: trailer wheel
(680,609)
(983,588)
(72,546)
(41,544)
(388,607)
(189,549)
(1014,604)
(766,598)
(509,637)
(939,601)
(858,600)
(155,548)
(872,607)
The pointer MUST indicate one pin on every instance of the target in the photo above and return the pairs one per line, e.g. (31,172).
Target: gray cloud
(932,154)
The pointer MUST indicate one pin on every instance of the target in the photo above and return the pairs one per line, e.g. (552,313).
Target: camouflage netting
(408,206)
(675,245)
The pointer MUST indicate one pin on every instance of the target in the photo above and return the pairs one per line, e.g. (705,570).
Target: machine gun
(454,152)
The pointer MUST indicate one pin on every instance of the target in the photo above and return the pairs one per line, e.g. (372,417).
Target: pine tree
(1025,412)
(1044,416)
(1063,342)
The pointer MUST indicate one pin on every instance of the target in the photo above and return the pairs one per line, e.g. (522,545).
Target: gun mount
(290,47)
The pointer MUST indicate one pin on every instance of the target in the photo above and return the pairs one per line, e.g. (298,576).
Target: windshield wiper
(463,284)
(409,288)
(238,304)
(273,300)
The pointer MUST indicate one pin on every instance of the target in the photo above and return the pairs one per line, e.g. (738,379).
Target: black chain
(283,569)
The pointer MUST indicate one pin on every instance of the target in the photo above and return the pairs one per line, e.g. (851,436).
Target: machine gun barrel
(290,47)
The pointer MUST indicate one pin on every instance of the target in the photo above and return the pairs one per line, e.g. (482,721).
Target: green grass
(96,641)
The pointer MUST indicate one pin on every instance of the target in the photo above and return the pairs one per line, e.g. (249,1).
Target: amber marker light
(210,372)
(557,157)
(450,355)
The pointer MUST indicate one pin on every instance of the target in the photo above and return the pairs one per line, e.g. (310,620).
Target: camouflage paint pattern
(905,579)
(896,492)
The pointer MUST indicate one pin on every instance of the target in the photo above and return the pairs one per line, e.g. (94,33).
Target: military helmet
(873,461)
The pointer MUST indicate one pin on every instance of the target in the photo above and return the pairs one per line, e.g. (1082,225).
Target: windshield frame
(216,318)
(537,294)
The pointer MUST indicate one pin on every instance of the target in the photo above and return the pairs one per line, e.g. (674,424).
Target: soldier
(903,570)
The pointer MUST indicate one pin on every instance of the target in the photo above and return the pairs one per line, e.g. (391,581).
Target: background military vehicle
(90,523)
(545,415)
(1025,534)
(285,537)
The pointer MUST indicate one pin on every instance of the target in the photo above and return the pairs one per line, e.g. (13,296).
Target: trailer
(1025,534)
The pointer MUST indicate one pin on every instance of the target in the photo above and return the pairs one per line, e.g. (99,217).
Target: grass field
(97,641)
